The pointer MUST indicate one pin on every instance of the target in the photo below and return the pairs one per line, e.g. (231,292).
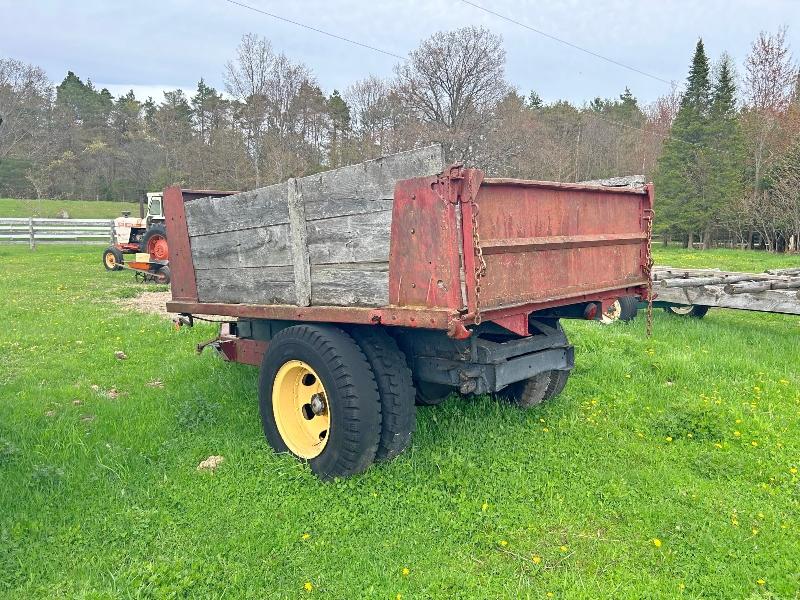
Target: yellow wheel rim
(301,410)
(111,260)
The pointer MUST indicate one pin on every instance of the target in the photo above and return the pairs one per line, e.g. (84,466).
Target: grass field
(667,468)
(77,209)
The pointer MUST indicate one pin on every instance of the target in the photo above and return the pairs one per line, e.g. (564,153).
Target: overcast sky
(150,45)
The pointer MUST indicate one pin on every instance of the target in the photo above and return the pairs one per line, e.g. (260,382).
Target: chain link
(480,262)
(648,269)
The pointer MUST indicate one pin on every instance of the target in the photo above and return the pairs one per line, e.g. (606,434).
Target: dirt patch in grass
(154,303)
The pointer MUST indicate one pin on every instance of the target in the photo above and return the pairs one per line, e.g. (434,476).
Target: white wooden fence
(63,231)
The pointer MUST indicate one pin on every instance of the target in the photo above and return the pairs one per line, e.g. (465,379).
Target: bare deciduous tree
(25,94)
(453,80)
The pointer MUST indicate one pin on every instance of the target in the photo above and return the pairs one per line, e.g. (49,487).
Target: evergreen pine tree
(727,148)
(683,167)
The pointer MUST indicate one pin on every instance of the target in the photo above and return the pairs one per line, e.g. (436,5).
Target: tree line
(724,152)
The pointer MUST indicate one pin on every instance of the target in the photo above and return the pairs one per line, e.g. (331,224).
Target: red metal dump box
(452,282)
(466,249)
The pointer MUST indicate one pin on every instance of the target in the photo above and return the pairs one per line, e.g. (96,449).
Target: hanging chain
(480,262)
(648,269)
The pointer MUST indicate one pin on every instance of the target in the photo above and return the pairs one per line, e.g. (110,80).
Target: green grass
(100,497)
(77,209)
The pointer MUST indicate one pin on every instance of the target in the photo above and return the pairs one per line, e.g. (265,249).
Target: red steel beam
(560,242)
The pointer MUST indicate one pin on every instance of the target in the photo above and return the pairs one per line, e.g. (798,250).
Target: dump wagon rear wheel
(319,400)
(558,381)
(398,413)
(624,309)
(431,394)
(529,392)
(112,259)
(693,310)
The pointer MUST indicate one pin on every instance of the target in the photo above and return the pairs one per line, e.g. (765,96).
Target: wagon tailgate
(546,241)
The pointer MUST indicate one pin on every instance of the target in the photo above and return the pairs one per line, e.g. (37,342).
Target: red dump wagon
(363,290)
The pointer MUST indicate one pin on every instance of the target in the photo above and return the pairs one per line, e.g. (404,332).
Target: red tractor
(140,236)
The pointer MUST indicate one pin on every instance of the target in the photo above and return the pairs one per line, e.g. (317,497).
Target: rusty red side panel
(184,283)
(549,241)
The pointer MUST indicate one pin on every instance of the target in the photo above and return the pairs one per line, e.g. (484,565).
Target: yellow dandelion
(669,438)
(760,582)
(755,531)
(306,536)
(563,548)
(793,470)
(307,586)
(549,594)
(754,443)
(737,433)
(717,445)
(682,586)
(734,522)
(406,571)
(399,597)
(738,421)
(485,506)
(536,559)
(657,542)
(545,429)
(640,434)
(503,543)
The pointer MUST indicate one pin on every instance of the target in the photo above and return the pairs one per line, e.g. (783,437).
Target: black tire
(396,389)
(159,229)
(624,309)
(558,381)
(112,259)
(529,392)
(352,394)
(695,311)
(163,275)
(431,394)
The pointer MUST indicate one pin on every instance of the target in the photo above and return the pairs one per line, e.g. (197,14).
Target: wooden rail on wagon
(776,290)
(63,231)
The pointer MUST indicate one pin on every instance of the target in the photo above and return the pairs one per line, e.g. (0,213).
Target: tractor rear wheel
(319,401)
(112,259)
(154,242)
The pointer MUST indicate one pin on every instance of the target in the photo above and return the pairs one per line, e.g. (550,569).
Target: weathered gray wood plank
(368,186)
(350,239)
(263,285)
(299,244)
(246,210)
(264,246)
(714,295)
(350,285)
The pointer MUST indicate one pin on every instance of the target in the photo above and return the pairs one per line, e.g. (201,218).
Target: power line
(386,52)
(570,44)
(309,27)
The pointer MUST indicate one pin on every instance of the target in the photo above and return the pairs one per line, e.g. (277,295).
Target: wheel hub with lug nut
(300,406)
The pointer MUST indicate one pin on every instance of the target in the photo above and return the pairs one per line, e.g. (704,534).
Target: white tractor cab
(141,236)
